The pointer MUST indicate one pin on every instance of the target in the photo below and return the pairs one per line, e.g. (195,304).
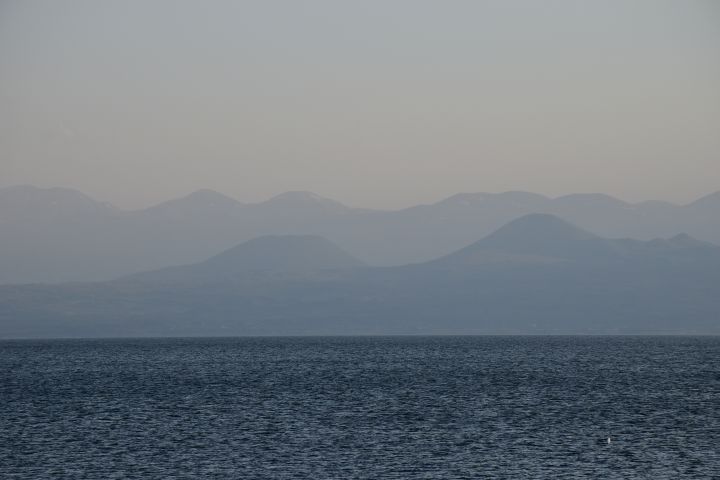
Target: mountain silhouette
(537,234)
(276,254)
(200,202)
(25,203)
(298,200)
(547,238)
(55,235)
(537,274)
(534,237)
(708,202)
(283,253)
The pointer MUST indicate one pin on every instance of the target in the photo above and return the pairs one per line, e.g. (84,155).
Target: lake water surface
(361,407)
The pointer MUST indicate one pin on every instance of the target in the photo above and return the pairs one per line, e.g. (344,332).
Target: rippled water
(375,408)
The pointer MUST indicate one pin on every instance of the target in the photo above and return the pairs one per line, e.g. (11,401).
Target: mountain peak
(28,200)
(299,196)
(517,198)
(199,200)
(536,227)
(304,200)
(712,201)
(207,196)
(31,191)
(686,241)
(533,237)
(522,197)
(270,254)
(591,199)
(284,253)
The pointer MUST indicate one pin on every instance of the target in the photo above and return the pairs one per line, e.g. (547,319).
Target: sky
(375,103)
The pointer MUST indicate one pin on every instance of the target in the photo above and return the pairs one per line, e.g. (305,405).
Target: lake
(361,407)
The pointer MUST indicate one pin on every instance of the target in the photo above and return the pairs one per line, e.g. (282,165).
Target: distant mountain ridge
(268,254)
(55,235)
(544,237)
(538,274)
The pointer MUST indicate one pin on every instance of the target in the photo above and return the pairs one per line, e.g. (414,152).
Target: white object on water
(608,440)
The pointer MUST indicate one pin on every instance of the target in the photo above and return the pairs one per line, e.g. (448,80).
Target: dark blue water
(375,408)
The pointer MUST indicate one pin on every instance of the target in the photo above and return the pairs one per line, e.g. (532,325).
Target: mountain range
(59,235)
(538,274)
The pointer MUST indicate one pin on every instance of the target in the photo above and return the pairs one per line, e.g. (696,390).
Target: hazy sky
(374,103)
